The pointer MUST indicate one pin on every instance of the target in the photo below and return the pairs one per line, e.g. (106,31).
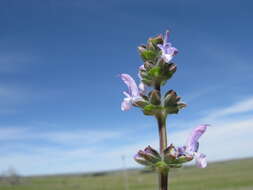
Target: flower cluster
(155,71)
(151,103)
(174,157)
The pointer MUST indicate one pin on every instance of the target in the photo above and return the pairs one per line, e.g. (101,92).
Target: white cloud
(200,93)
(240,107)
(225,140)
(31,158)
(62,137)
(81,136)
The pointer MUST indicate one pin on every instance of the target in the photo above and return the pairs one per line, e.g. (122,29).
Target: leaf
(148,55)
(151,109)
(155,71)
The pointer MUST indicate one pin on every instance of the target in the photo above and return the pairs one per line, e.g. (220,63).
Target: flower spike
(154,73)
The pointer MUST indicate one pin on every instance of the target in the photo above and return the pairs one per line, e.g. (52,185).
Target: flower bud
(148,65)
(152,42)
(172,67)
(141,49)
(171,102)
(148,157)
(141,160)
(170,98)
(175,157)
(156,40)
(181,105)
(183,159)
(150,45)
(150,150)
(170,154)
(143,74)
(169,69)
(155,97)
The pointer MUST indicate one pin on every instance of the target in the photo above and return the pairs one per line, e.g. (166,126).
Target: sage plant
(156,70)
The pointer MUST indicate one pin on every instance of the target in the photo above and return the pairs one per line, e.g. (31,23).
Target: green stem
(161,121)
(163,176)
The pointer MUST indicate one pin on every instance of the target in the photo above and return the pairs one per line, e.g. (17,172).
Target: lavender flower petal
(142,87)
(126,104)
(167,50)
(167,57)
(181,150)
(192,142)
(132,87)
(166,37)
(141,68)
(200,160)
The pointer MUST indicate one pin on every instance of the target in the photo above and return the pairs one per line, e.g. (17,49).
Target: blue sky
(60,93)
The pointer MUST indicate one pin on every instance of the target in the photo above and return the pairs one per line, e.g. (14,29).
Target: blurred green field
(229,175)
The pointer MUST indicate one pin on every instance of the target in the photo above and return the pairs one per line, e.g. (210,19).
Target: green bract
(171,102)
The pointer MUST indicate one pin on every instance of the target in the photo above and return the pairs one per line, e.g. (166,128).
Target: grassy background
(229,175)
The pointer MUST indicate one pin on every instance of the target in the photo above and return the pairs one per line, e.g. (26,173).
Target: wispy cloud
(225,140)
(12,96)
(81,136)
(70,137)
(12,133)
(239,107)
(201,93)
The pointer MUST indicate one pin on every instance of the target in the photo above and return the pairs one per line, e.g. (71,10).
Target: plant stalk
(163,176)
(161,121)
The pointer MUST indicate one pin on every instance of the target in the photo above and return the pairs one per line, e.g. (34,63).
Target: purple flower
(167,50)
(192,141)
(133,93)
(192,146)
